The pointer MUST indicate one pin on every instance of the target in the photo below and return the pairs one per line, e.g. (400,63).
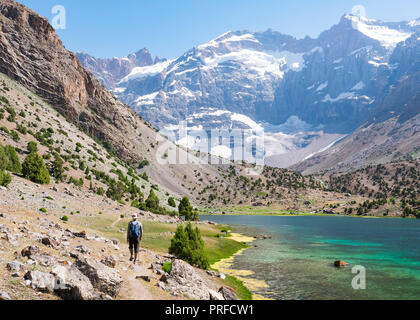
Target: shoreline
(302,215)
(225,266)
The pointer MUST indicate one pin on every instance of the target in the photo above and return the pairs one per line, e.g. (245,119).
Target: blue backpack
(134,230)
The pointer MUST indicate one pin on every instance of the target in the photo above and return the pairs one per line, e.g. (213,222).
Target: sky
(168,28)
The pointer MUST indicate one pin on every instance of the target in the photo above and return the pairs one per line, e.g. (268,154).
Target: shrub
(14,163)
(4,159)
(135,203)
(5,178)
(56,167)
(171,202)
(167,267)
(34,169)
(43,210)
(65,218)
(143,164)
(152,202)
(115,191)
(32,147)
(188,245)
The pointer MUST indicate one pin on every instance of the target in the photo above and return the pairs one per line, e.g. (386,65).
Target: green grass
(242,292)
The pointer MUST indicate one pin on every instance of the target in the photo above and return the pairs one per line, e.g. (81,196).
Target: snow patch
(388,38)
(322,86)
(148,71)
(358,86)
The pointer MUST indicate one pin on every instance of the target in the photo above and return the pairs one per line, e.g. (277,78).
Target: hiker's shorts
(134,244)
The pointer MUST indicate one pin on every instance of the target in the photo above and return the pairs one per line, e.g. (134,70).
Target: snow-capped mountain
(306,93)
(111,71)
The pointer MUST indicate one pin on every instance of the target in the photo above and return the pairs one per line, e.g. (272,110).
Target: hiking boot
(131,258)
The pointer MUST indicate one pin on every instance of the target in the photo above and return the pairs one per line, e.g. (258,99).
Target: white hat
(134,215)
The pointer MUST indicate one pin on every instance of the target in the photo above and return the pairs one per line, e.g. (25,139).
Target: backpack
(134,230)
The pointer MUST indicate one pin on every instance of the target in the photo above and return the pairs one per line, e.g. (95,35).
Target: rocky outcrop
(102,277)
(183,278)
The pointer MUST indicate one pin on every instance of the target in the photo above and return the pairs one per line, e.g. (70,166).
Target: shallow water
(297,263)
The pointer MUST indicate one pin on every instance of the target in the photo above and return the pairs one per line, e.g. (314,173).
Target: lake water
(297,263)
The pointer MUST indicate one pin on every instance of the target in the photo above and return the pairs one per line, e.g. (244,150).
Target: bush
(14,163)
(116,190)
(65,218)
(152,202)
(4,159)
(186,210)
(167,267)
(188,245)
(43,210)
(56,167)
(34,169)
(32,147)
(171,202)
(5,178)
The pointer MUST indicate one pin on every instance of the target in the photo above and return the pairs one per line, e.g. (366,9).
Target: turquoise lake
(297,262)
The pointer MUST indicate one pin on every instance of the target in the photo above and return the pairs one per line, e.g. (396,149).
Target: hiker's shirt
(139,226)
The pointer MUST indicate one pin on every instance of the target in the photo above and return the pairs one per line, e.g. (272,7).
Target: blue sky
(171,27)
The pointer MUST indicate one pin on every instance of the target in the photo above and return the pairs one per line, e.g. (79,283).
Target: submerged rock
(340,264)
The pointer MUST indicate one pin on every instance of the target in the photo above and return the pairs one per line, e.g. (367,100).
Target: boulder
(184,278)
(83,249)
(109,261)
(144,278)
(81,234)
(29,251)
(49,242)
(71,284)
(4,296)
(102,277)
(215,296)
(228,293)
(15,266)
(41,281)
(340,264)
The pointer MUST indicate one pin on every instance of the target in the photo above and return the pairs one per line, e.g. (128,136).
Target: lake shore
(226,266)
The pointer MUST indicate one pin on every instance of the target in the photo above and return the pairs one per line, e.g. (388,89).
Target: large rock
(102,277)
(71,284)
(30,251)
(184,278)
(228,293)
(41,281)
(340,264)
(216,295)
(15,266)
(4,296)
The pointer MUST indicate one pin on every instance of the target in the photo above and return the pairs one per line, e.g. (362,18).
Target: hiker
(134,236)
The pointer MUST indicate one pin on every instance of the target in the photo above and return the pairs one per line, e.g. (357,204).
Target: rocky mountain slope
(325,87)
